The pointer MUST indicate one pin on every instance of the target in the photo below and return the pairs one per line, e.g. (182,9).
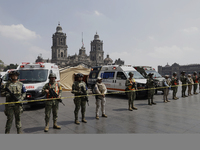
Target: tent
(67,76)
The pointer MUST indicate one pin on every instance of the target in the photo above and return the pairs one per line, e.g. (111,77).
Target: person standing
(190,83)
(174,83)
(100,89)
(151,88)
(199,81)
(183,79)
(78,89)
(13,90)
(51,104)
(167,84)
(131,88)
(195,80)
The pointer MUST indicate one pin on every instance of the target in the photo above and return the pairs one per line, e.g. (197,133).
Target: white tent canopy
(67,75)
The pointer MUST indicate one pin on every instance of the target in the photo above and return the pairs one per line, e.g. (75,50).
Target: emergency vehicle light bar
(25,63)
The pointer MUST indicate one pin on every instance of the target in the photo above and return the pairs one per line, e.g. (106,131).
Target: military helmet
(150,74)
(130,73)
(182,72)
(79,75)
(174,73)
(52,75)
(14,73)
(195,72)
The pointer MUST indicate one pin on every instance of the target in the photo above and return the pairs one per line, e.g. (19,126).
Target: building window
(61,54)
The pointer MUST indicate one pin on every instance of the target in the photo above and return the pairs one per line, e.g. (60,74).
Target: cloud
(17,32)
(191,30)
(173,52)
(97,13)
(151,38)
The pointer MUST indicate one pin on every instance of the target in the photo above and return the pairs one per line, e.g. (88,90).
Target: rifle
(85,94)
(54,95)
(12,95)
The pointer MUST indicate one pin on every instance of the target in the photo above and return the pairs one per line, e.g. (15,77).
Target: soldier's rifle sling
(54,95)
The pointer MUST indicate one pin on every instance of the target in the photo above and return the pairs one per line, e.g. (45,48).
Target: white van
(114,77)
(34,76)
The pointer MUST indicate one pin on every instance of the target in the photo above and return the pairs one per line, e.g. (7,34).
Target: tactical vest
(130,87)
(56,90)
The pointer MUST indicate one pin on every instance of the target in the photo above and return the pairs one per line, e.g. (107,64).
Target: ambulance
(34,76)
(145,70)
(114,77)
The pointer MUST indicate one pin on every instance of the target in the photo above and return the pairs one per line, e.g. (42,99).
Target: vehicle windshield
(30,76)
(136,75)
(5,77)
(155,74)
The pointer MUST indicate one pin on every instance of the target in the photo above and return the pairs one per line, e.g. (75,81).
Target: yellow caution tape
(25,101)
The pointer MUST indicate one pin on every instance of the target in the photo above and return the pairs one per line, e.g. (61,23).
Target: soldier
(195,80)
(183,79)
(167,84)
(199,81)
(51,104)
(79,101)
(101,89)
(131,87)
(175,83)
(190,83)
(13,90)
(151,88)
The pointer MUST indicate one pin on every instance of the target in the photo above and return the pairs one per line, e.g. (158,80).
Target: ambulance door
(120,81)
(109,79)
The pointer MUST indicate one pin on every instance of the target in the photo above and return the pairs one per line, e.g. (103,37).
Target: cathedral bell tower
(97,53)
(59,46)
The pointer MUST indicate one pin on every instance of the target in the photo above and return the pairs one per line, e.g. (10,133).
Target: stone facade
(168,70)
(62,59)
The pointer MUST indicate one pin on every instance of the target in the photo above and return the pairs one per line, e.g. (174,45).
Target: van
(34,76)
(145,70)
(114,77)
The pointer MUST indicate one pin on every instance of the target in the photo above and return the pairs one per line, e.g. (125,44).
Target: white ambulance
(34,76)
(114,77)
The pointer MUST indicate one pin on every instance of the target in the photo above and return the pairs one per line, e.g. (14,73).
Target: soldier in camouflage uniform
(79,101)
(19,91)
(199,81)
(174,86)
(183,79)
(130,88)
(51,104)
(195,79)
(150,85)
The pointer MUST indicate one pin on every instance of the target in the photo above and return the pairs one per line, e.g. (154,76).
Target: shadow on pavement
(34,107)
(34,129)
(65,122)
(120,109)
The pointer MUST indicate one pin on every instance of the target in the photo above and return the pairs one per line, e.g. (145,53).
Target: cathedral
(63,59)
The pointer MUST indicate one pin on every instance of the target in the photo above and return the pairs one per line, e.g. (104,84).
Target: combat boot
(7,131)
(97,117)
(55,126)
(104,115)
(129,107)
(76,122)
(133,107)
(153,102)
(149,103)
(46,129)
(19,131)
(165,101)
(83,120)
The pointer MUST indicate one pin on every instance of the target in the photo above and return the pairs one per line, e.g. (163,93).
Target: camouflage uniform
(150,84)
(174,87)
(183,79)
(195,79)
(79,101)
(52,104)
(131,93)
(16,109)
(199,81)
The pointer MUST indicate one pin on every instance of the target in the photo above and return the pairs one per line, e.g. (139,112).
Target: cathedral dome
(108,60)
(59,29)
(96,36)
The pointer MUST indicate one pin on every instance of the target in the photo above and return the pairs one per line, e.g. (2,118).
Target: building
(169,70)
(61,57)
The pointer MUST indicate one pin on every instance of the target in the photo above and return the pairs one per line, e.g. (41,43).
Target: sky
(140,32)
